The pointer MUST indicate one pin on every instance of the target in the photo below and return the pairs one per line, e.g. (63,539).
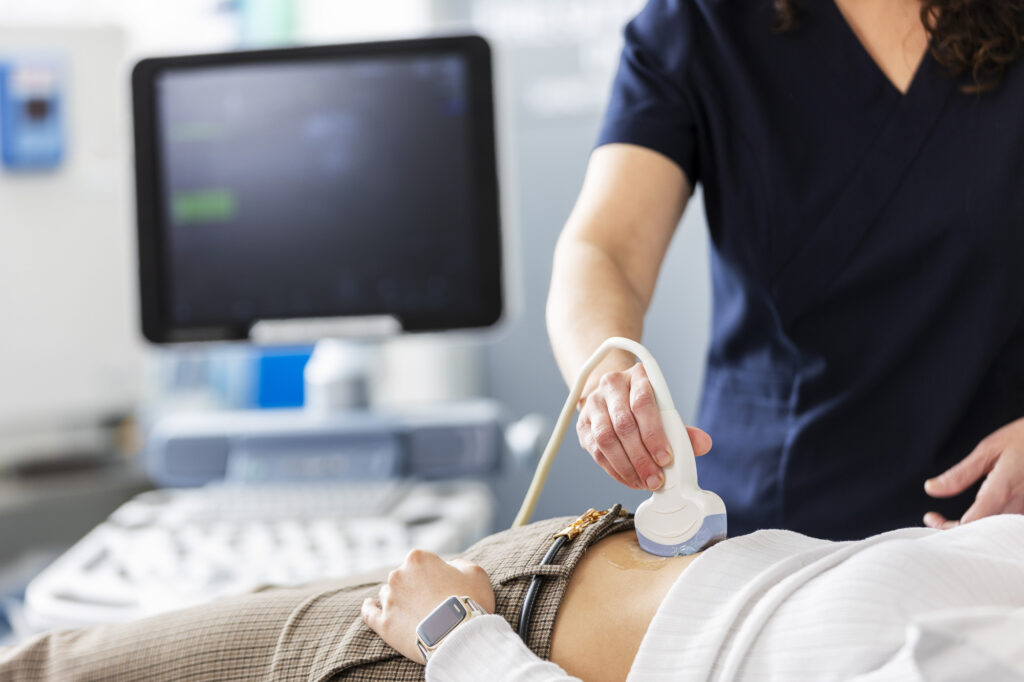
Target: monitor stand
(308,330)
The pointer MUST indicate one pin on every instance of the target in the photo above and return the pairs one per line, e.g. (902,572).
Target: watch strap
(472,609)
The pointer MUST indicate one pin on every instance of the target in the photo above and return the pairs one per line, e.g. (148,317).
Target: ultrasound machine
(297,195)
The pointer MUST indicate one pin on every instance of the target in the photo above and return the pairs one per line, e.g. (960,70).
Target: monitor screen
(303,183)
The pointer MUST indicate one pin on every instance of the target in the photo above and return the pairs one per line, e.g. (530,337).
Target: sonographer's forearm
(590,300)
(609,253)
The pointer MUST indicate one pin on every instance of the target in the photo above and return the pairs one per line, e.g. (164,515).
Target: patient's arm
(416,588)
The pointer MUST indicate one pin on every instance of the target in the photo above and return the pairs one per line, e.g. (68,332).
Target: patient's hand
(416,588)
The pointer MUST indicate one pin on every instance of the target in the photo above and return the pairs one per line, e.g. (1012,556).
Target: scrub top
(867,258)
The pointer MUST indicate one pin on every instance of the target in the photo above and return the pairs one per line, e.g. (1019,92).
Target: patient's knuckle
(395,576)
(415,556)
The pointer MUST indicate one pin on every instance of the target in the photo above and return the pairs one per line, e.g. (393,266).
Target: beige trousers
(310,633)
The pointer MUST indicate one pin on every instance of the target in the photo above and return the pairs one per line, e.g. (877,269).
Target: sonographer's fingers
(600,438)
(645,410)
(586,438)
(620,426)
(616,387)
(700,440)
(602,462)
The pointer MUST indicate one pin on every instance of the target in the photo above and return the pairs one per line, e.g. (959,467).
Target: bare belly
(610,601)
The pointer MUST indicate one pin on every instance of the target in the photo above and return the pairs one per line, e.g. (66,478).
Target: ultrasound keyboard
(171,548)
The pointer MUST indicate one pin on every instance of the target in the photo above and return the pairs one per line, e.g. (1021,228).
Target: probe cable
(526,612)
(661,393)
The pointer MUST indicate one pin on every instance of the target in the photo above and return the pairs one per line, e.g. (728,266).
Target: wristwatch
(453,612)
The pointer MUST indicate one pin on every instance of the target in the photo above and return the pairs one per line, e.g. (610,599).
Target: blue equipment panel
(31,114)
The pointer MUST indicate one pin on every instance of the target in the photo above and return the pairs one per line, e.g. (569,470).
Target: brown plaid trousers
(312,633)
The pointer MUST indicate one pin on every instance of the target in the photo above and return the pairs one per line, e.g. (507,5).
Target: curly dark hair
(979,38)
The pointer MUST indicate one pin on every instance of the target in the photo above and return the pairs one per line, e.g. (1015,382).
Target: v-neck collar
(836,37)
(904,121)
(847,34)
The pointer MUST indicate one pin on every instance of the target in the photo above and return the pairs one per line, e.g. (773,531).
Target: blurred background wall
(72,366)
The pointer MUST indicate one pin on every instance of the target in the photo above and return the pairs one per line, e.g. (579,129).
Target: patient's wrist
(484,645)
(469,648)
(451,614)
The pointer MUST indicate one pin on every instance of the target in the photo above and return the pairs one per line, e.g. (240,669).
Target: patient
(773,604)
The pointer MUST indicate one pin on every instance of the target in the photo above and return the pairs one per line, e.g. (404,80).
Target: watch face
(441,621)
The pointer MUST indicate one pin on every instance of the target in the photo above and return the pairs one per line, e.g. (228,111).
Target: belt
(561,538)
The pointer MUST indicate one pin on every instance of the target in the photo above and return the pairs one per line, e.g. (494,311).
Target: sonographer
(862,163)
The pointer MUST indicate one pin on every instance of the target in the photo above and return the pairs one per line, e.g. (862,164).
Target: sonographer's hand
(999,458)
(619,425)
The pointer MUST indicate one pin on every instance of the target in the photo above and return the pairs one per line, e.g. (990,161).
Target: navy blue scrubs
(867,258)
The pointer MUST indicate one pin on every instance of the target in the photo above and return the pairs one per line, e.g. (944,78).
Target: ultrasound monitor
(321,183)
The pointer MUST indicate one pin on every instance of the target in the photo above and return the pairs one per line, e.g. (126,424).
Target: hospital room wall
(69,353)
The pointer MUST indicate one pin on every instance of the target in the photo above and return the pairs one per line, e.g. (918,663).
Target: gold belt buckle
(586,518)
